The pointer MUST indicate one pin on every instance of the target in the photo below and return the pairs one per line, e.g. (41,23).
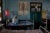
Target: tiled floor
(21,31)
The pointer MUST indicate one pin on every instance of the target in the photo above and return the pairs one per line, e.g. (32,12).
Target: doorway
(35,13)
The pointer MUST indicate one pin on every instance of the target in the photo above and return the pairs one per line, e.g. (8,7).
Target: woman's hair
(15,17)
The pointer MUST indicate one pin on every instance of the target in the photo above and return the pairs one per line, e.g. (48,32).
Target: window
(23,8)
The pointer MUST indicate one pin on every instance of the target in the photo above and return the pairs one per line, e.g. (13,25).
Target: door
(35,13)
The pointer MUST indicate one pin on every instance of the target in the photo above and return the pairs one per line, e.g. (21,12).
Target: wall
(12,5)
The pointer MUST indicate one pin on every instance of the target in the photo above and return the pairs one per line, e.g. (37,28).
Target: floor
(21,31)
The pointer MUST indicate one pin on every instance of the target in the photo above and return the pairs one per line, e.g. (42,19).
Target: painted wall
(12,5)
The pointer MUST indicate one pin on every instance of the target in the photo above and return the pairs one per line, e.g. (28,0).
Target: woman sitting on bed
(14,21)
